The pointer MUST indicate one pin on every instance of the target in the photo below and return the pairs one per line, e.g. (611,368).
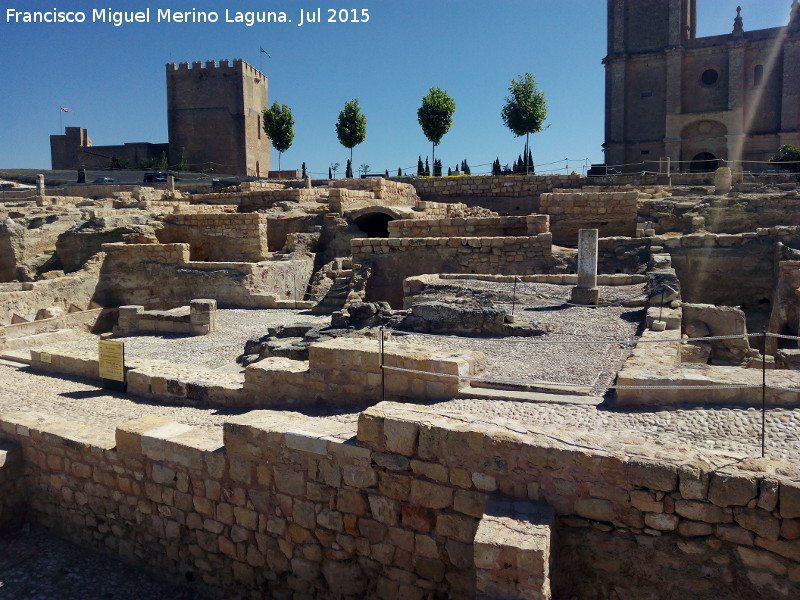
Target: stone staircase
(336,296)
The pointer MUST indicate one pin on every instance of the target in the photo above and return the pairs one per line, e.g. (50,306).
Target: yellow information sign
(112,360)
(45,357)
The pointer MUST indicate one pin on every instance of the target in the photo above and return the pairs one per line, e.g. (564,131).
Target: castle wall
(297,505)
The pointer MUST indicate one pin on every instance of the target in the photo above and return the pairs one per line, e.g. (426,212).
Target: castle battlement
(209,65)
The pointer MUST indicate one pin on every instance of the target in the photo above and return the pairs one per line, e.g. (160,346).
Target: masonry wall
(394,259)
(75,291)
(614,214)
(220,237)
(159,276)
(299,507)
(469,227)
(723,268)
(507,194)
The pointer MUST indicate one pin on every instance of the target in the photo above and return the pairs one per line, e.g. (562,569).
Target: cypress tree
(399,172)
(449,171)
(330,175)
(427,168)
(420,168)
(386,174)
(304,170)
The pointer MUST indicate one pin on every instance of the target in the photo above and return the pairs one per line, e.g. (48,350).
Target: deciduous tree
(279,127)
(525,109)
(435,116)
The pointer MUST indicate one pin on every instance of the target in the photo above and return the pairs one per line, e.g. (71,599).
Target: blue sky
(112,78)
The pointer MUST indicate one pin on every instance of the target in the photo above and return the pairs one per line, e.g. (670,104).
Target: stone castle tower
(214,117)
(696,100)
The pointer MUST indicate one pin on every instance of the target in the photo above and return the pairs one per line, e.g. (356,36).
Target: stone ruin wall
(391,192)
(218,237)
(71,292)
(727,268)
(506,194)
(612,213)
(394,259)
(296,505)
(159,276)
(469,227)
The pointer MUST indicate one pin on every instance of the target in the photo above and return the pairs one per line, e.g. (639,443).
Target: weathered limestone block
(512,550)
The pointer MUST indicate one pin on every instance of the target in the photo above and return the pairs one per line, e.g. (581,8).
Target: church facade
(698,101)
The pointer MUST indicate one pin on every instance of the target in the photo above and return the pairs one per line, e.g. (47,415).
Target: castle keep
(695,100)
(214,117)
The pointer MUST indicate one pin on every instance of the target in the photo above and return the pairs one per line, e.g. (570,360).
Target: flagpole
(60,121)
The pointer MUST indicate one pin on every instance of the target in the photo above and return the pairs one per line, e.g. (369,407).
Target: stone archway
(704,145)
(374,224)
(705,162)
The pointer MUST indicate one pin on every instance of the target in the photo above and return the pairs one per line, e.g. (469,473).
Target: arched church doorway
(705,162)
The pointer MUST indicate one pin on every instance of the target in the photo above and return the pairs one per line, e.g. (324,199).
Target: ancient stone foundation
(409,504)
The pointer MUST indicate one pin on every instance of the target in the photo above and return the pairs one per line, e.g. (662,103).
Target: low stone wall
(219,237)
(394,259)
(199,318)
(348,371)
(489,186)
(623,254)
(614,214)
(653,374)
(469,227)
(159,276)
(301,507)
(413,286)
(389,192)
(252,201)
(73,292)
(13,499)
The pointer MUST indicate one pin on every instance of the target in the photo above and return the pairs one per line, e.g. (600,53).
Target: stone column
(171,184)
(40,185)
(723,180)
(308,181)
(586,291)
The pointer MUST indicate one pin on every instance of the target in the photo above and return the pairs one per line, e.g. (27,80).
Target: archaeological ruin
(384,355)
(520,386)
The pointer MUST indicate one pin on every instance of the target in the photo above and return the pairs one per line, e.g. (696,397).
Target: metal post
(294,286)
(763,390)
(383,371)
(514,296)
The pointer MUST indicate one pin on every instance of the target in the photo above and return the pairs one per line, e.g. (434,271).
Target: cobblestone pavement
(36,565)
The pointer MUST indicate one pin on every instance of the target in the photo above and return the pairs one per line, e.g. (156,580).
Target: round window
(709,77)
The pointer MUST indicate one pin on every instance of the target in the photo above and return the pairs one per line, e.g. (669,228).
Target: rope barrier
(536,340)
(531,383)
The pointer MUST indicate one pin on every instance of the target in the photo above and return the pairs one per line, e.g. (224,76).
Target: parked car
(156,177)
(106,180)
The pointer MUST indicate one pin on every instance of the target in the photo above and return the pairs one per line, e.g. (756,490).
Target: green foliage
(435,116)
(525,109)
(788,154)
(348,170)
(427,168)
(279,126)
(182,164)
(399,172)
(304,170)
(351,127)
(162,163)
(496,168)
(363,169)
(437,168)
(420,168)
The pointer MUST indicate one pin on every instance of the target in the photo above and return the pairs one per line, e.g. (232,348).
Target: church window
(709,77)
(758,75)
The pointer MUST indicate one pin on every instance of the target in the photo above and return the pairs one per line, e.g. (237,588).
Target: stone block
(653,475)
(732,490)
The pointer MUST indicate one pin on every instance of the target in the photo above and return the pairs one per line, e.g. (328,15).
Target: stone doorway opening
(375,225)
(705,162)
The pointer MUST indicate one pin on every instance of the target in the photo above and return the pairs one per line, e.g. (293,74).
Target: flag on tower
(64,109)
(265,52)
